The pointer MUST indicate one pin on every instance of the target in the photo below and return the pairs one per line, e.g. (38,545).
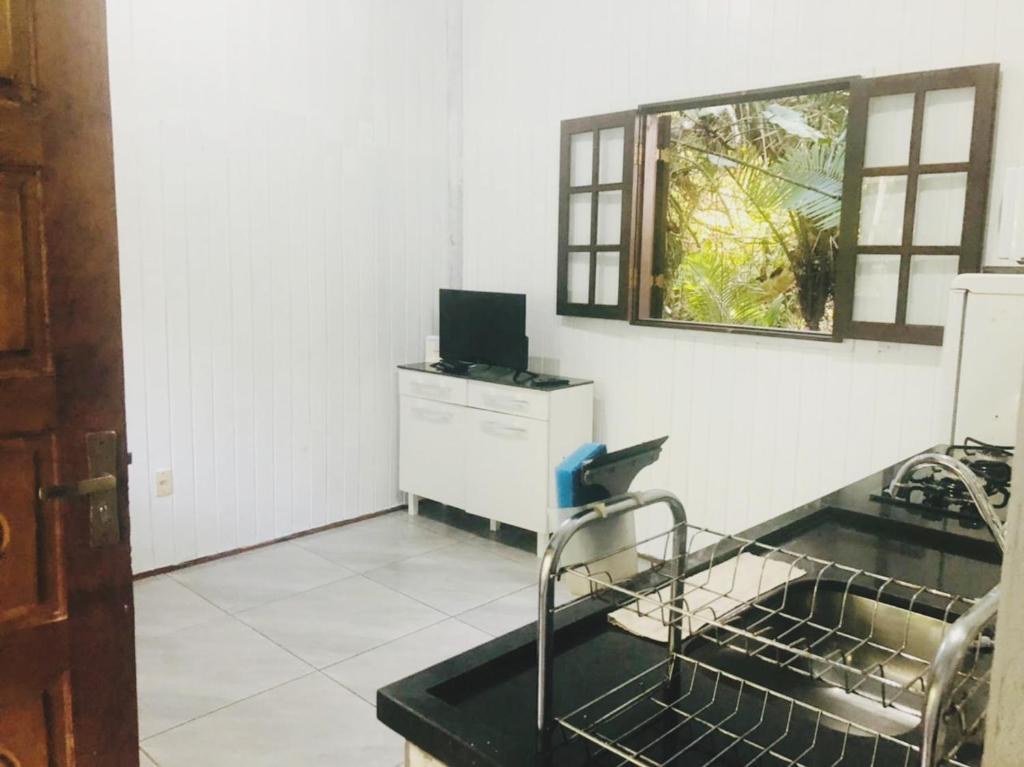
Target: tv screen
(478,326)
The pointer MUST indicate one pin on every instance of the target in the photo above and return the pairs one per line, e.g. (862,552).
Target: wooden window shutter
(915,194)
(595,215)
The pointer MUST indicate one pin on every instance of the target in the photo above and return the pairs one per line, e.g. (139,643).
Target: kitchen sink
(857,654)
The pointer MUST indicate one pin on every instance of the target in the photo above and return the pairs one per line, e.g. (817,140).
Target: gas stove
(931,491)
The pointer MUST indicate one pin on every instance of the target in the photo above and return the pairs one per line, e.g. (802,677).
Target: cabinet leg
(495,525)
(414,504)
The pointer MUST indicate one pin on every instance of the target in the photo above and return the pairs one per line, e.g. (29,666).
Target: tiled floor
(274,656)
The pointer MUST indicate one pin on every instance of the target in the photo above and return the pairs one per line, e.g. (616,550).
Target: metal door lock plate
(104,521)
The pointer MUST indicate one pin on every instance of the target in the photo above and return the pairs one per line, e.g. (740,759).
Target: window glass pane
(888,135)
(579,278)
(579,219)
(939,216)
(609,218)
(928,292)
(881,210)
(747,210)
(581,159)
(875,286)
(609,168)
(606,280)
(946,131)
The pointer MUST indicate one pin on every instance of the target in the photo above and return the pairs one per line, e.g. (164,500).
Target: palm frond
(817,167)
(723,291)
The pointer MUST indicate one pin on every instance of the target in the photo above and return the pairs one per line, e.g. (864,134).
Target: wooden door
(67,669)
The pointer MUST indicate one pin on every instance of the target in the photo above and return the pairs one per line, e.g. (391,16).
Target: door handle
(100,489)
(90,486)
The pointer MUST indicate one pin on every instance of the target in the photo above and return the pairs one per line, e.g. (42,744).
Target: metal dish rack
(825,665)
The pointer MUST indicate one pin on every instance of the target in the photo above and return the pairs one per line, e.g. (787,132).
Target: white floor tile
(457,578)
(528,558)
(510,612)
(145,761)
(334,622)
(163,605)
(257,577)
(312,721)
(376,542)
(438,527)
(190,672)
(367,672)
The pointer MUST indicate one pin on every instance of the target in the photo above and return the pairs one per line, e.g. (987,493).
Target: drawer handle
(503,428)
(497,401)
(426,388)
(432,415)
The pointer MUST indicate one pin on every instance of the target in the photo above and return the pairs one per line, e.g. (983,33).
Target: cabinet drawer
(506,468)
(432,386)
(432,449)
(508,399)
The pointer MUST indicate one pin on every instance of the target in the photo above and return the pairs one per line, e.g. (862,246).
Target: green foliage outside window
(752,211)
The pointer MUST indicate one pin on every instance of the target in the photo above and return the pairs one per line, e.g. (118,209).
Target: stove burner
(974,446)
(996,476)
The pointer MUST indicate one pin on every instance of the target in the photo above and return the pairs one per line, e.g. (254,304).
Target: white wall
(282,184)
(757,425)
(290,188)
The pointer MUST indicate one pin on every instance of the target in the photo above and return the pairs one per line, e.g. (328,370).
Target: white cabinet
(431,457)
(488,448)
(505,469)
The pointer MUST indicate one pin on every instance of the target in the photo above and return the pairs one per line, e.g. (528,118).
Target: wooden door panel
(16,44)
(28,533)
(35,700)
(23,342)
(7,68)
(22,317)
(13,270)
(24,732)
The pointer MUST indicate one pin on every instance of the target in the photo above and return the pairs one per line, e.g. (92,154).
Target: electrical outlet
(164,483)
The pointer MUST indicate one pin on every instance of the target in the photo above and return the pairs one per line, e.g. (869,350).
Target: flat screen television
(483,327)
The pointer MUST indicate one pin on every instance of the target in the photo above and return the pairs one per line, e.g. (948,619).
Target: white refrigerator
(983,358)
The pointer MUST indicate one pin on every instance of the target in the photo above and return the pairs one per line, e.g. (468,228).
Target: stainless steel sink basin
(870,659)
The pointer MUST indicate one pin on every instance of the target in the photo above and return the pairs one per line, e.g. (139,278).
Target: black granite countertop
(479,708)
(497,375)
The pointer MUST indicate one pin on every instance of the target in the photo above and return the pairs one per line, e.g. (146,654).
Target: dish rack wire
(858,637)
